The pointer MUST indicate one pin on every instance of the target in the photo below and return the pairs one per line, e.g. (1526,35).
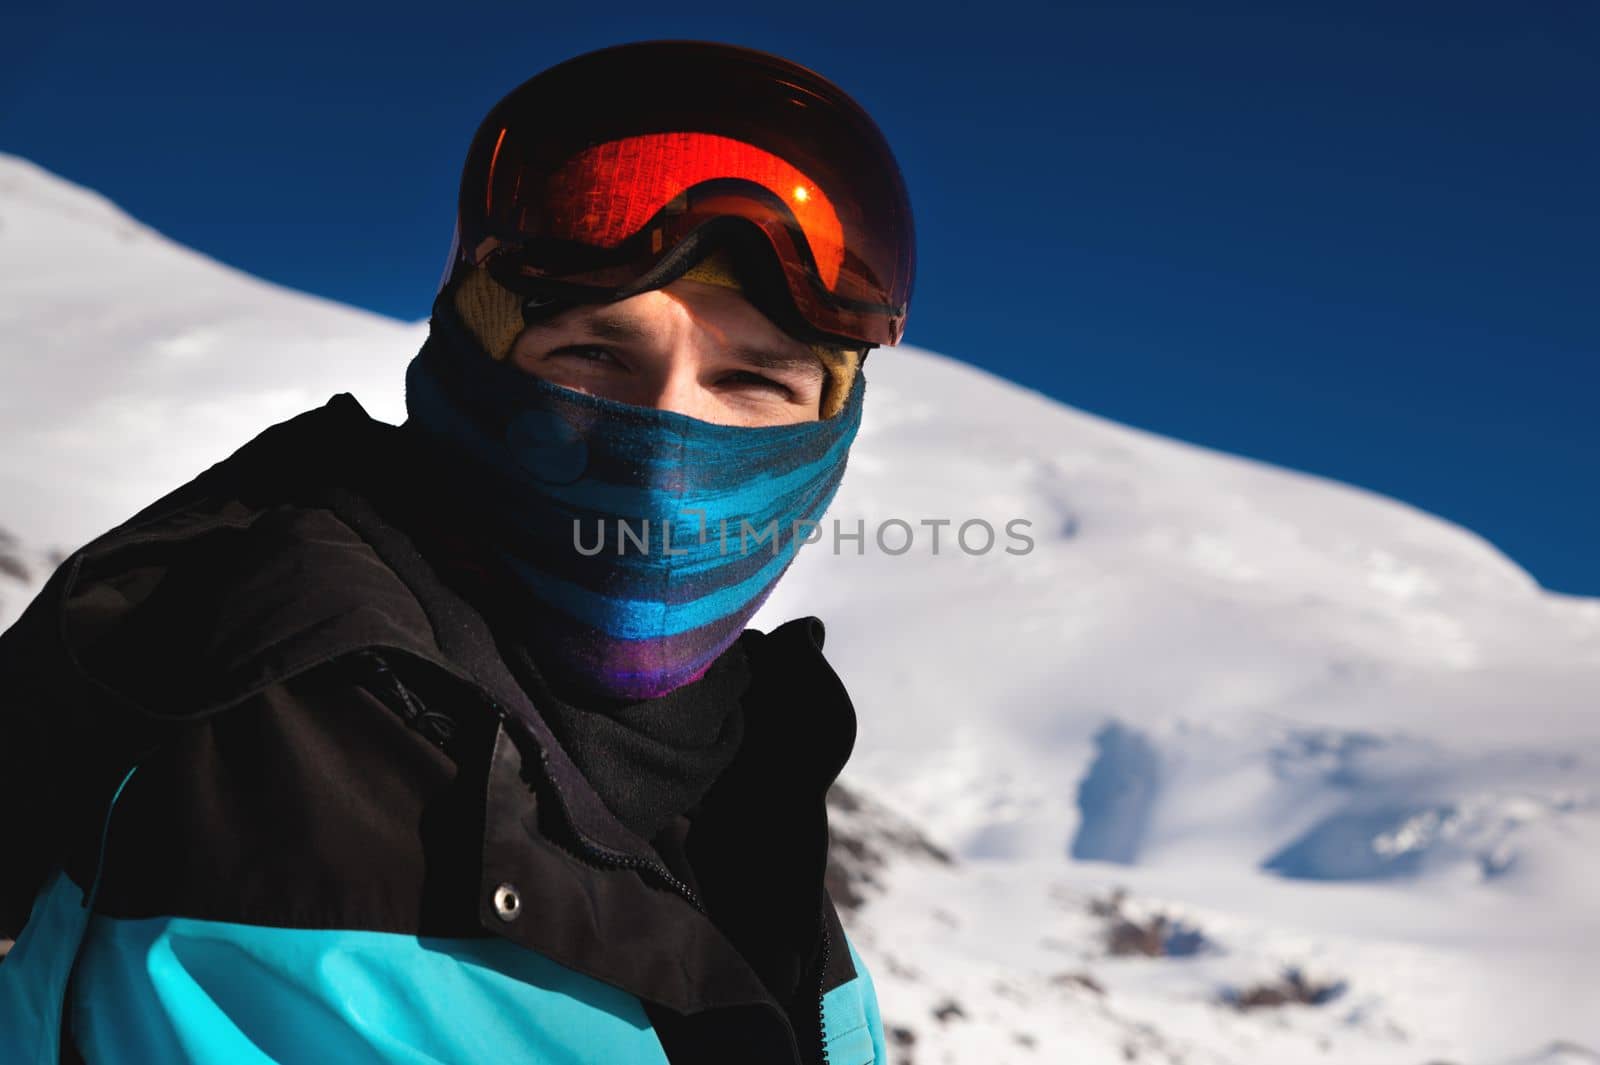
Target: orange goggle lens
(608,193)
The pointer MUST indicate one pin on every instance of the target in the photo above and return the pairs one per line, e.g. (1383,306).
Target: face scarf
(641,540)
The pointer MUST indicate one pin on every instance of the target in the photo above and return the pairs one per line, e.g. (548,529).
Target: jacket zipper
(607,856)
(441,727)
(437,727)
(822,979)
(628,861)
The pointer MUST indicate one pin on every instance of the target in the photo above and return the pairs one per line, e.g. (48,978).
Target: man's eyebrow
(770,359)
(614,327)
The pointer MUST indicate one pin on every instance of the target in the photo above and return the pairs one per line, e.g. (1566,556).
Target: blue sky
(1357,239)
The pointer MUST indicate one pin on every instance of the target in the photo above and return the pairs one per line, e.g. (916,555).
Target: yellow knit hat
(494,315)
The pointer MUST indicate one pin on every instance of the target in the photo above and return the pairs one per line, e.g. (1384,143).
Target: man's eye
(745,377)
(585,353)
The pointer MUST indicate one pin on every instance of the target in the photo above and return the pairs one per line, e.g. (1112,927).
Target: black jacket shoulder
(235,580)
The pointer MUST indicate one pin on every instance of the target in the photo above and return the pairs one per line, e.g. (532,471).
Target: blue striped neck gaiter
(644,539)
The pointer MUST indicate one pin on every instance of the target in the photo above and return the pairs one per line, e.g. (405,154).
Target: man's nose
(676,387)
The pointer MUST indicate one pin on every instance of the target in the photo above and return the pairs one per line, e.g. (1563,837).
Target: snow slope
(128,362)
(1309,727)
(1333,729)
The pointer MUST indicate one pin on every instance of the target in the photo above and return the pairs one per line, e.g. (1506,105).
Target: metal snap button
(507,903)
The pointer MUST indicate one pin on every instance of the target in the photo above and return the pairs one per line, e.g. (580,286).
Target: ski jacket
(270,793)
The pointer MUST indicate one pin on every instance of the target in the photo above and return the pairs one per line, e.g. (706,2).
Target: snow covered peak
(34,196)
(129,363)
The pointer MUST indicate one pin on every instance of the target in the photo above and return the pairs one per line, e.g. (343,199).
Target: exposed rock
(1152,936)
(902,1039)
(864,837)
(11,564)
(1083,980)
(1293,988)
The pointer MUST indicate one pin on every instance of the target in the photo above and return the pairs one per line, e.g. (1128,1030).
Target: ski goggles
(612,171)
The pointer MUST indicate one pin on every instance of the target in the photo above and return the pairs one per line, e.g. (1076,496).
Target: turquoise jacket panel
(853,1029)
(33,977)
(180,990)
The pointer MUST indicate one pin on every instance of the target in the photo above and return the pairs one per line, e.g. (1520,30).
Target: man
(447,742)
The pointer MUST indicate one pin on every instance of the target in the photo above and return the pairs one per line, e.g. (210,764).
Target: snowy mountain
(1219,763)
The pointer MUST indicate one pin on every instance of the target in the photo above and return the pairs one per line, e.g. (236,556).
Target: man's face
(692,347)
